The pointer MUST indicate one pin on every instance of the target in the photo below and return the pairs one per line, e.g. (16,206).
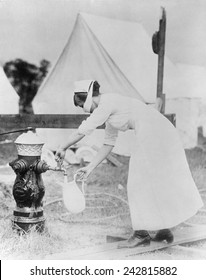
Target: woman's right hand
(84,172)
(60,155)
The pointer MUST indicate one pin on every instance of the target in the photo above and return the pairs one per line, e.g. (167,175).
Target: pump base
(25,220)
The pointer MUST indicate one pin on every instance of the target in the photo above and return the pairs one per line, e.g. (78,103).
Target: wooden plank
(111,238)
(110,251)
(182,236)
(189,251)
(11,122)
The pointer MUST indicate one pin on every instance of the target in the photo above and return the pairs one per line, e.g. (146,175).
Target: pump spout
(62,169)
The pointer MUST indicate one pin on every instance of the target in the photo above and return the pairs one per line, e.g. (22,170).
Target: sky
(39,29)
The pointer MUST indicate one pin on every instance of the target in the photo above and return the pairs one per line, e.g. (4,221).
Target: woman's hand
(101,155)
(73,139)
(60,155)
(83,173)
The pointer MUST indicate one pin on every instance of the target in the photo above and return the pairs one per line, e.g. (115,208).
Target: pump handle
(19,130)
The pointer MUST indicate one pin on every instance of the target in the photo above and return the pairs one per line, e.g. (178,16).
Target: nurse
(161,190)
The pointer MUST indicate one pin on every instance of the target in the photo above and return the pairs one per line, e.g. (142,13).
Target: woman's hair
(96,87)
(80,97)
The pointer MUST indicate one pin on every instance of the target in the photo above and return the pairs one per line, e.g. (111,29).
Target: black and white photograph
(103,130)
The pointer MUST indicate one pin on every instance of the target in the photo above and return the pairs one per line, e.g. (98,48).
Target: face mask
(86,110)
(88,103)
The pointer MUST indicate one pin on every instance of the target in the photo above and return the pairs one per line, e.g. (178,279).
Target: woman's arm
(97,118)
(73,138)
(101,155)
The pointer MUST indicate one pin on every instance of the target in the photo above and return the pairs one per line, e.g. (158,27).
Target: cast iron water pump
(28,189)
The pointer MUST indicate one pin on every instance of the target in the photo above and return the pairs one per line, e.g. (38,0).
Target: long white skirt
(161,190)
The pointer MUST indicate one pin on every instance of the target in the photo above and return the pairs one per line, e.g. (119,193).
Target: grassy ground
(106,211)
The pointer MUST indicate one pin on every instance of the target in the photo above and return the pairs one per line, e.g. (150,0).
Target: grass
(7,153)
(106,211)
(63,230)
(27,246)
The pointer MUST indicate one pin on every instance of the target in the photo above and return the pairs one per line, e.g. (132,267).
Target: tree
(26,78)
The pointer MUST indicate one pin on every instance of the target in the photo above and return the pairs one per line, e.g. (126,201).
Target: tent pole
(161,34)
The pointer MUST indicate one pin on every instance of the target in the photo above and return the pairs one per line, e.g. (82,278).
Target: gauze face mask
(88,103)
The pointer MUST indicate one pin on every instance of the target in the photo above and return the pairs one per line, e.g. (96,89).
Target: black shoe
(135,240)
(164,235)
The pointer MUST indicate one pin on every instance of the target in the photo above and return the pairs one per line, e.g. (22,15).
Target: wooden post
(161,53)
(160,44)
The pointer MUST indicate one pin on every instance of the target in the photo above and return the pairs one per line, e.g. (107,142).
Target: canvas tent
(8,96)
(116,53)
(84,57)
(189,104)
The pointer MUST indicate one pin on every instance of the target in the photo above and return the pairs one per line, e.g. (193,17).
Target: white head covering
(85,86)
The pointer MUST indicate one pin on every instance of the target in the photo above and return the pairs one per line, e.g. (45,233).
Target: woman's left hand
(84,172)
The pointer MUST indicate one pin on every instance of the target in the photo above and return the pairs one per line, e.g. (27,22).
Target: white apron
(161,190)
